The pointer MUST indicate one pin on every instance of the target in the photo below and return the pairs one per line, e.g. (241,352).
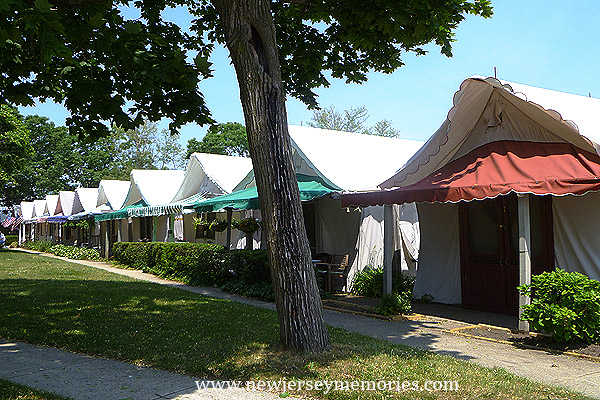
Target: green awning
(247,199)
(120,214)
(172,208)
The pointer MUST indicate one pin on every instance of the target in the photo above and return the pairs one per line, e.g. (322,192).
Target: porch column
(229,216)
(524,254)
(388,247)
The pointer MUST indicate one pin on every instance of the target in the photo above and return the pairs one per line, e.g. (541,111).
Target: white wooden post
(388,247)
(524,254)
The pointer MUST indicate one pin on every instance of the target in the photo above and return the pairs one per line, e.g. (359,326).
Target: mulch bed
(535,340)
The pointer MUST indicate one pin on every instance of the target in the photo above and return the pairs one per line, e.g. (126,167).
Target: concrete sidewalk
(84,377)
(573,373)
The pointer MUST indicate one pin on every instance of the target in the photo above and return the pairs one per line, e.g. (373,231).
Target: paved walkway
(574,373)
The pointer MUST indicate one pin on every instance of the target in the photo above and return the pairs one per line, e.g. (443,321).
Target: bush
(394,303)
(250,266)
(75,253)
(38,245)
(567,305)
(369,283)
(243,272)
(194,263)
(11,239)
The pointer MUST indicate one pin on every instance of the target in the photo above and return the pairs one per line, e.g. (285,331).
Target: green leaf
(42,5)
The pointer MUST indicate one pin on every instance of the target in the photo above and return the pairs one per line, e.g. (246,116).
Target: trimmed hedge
(243,272)
(193,263)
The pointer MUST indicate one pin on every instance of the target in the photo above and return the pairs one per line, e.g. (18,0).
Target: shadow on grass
(165,328)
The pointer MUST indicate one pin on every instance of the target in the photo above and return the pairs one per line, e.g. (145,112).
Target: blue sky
(549,44)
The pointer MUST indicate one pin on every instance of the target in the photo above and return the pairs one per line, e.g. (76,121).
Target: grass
(56,303)
(13,391)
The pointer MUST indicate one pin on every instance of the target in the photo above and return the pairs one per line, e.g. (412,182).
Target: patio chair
(337,268)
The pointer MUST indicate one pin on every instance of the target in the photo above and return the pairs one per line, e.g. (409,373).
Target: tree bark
(250,36)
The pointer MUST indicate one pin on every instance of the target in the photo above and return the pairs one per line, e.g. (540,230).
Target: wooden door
(489,235)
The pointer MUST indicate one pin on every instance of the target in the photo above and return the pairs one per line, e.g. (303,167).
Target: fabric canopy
(58,218)
(247,199)
(498,168)
(173,208)
(121,214)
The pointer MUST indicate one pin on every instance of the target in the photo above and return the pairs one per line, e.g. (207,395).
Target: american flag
(8,222)
(16,222)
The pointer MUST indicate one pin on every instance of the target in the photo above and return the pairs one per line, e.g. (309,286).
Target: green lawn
(12,391)
(56,303)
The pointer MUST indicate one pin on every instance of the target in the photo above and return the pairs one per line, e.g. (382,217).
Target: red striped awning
(494,169)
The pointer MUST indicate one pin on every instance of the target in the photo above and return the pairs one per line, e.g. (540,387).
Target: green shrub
(567,305)
(11,239)
(369,282)
(394,303)
(75,253)
(194,263)
(250,266)
(38,245)
(243,272)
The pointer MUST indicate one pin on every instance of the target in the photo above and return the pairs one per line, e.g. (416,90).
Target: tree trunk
(250,36)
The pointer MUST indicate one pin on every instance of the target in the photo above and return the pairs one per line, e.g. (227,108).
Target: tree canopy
(15,147)
(352,120)
(228,139)
(109,69)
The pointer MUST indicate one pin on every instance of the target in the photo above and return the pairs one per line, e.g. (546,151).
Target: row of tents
(505,188)
(164,205)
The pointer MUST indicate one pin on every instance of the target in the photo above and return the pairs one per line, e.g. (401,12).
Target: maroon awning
(494,169)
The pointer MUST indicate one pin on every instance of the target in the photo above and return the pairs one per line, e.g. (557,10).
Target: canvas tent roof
(27,210)
(212,173)
(39,208)
(494,142)
(112,193)
(346,160)
(154,187)
(51,203)
(85,199)
(65,203)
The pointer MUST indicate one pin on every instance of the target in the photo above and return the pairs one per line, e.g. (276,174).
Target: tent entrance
(489,235)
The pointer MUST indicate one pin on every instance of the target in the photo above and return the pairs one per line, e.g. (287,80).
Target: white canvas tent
(39,208)
(112,193)
(214,174)
(51,204)
(206,176)
(64,206)
(84,202)
(153,187)
(25,230)
(502,139)
(353,161)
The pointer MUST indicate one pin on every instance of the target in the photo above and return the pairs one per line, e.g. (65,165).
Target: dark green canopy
(247,199)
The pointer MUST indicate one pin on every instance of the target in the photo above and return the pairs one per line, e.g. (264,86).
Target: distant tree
(352,120)
(136,148)
(169,153)
(15,149)
(228,138)
(384,128)
(98,160)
